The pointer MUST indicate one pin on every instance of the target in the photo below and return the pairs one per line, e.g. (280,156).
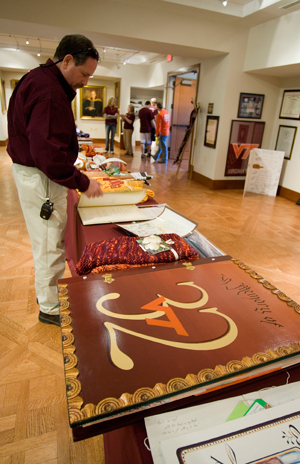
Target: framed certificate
(211,131)
(290,106)
(285,140)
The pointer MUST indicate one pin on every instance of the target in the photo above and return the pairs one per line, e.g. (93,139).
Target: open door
(184,92)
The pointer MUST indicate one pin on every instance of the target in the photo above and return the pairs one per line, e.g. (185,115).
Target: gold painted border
(77,413)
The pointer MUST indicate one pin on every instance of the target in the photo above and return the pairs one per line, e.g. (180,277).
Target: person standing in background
(146,123)
(162,132)
(42,143)
(111,114)
(153,108)
(128,120)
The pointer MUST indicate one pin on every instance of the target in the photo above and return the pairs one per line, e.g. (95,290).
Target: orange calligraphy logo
(160,307)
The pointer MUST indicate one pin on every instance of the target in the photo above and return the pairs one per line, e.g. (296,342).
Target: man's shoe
(112,152)
(49,318)
(149,155)
(162,162)
(143,156)
(105,151)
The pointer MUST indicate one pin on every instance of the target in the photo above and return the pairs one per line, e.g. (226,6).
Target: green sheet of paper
(239,411)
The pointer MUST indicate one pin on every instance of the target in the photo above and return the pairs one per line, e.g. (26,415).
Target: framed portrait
(92,102)
(211,131)
(290,105)
(2,95)
(285,140)
(250,105)
(244,137)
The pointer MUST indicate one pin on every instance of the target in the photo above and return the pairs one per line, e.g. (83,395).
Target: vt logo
(244,149)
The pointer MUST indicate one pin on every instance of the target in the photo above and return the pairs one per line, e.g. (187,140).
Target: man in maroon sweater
(42,143)
(146,123)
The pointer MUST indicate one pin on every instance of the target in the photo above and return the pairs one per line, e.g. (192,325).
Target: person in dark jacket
(42,143)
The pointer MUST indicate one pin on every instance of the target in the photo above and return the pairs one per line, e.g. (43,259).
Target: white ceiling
(247,12)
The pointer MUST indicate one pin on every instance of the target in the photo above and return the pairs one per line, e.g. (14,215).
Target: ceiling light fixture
(224,2)
(104,50)
(27,42)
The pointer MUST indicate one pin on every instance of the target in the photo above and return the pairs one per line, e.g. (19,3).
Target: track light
(40,50)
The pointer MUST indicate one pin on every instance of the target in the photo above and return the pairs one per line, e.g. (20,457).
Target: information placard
(263,172)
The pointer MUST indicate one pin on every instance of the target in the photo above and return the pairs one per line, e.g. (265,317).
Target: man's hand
(94,189)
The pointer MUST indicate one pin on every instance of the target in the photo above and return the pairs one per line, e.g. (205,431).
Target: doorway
(182,89)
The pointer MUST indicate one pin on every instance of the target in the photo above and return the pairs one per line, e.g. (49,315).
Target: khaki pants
(47,237)
(127,138)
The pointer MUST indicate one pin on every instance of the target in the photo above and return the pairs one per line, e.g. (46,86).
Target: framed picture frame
(92,102)
(74,107)
(210,108)
(250,105)
(244,137)
(117,99)
(2,96)
(117,93)
(13,83)
(285,140)
(211,131)
(290,105)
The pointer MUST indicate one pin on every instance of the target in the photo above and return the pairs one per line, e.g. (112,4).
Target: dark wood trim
(118,144)
(239,184)
(3,143)
(98,140)
(288,194)
(218,184)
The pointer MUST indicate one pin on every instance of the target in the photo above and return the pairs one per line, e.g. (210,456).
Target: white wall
(275,43)
(222,80)
(290,178)
(278,43)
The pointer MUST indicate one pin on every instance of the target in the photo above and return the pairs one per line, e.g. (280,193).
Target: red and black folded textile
(123,252)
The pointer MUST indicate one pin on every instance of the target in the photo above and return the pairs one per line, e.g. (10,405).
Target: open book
(111,207)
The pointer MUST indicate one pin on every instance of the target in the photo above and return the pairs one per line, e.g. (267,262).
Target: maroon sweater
(41,127)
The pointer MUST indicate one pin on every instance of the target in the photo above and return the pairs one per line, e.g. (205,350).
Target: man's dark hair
(147,103)
(159,106)
(78,46)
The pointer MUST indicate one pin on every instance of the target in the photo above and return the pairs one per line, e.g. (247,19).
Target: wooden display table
(149,340)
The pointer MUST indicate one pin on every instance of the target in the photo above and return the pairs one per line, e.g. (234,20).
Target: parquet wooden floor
(261,231)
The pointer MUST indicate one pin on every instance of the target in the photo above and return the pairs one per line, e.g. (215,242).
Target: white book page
(106,214)
(167,222)
(169,446)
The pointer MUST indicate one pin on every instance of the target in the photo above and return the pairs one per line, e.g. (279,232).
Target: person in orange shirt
(162,132)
